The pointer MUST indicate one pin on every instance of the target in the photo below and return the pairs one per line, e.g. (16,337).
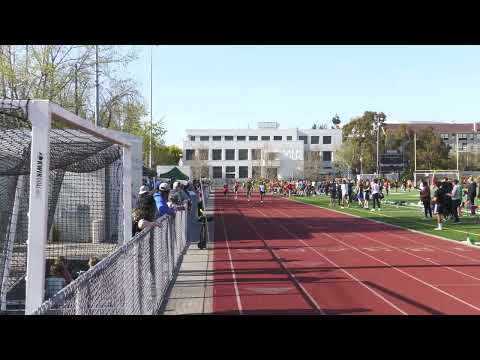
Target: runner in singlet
(235,189)
(262,190)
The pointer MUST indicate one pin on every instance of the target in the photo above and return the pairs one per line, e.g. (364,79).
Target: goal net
(63,186)
(430,176)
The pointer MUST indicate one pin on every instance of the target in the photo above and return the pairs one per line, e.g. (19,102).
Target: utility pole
(458,150)
(415,149)
(97,94)
(378,141)
(151,106)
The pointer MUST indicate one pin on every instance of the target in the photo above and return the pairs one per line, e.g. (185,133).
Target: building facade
(266,151)
(468,133)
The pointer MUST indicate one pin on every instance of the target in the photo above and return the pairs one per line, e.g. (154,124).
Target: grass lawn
(407,216)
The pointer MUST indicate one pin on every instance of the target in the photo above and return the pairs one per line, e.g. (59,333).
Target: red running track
(284,257)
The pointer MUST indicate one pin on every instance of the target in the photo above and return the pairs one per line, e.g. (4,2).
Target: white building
(267,151)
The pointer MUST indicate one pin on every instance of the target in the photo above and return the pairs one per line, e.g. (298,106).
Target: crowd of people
(449,198)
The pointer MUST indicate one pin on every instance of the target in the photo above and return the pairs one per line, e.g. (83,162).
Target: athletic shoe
(372,210)
(261,201)
(341,207)
(456,222)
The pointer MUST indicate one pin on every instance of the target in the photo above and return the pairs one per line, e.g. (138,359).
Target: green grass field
(411,217)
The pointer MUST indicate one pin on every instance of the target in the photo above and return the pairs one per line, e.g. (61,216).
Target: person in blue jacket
(161,198)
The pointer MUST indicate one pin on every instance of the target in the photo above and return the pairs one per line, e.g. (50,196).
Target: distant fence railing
(132,280)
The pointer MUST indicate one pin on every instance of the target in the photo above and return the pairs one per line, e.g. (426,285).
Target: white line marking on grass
(339,267)
(384,223)
(402,271)
(235,285)
(292,276)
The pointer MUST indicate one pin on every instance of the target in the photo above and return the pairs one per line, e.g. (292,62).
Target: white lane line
(420,257)
(235,285)
(401,271)
(292,276)
(385,223)
(411,254)
(339,267)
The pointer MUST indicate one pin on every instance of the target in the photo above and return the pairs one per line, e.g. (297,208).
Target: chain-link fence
(131,281)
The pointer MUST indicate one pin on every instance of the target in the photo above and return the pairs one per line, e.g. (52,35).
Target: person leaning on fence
(145,208)
(161,199)
(55,280)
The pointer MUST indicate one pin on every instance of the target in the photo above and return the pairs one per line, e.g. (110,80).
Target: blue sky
(237,86)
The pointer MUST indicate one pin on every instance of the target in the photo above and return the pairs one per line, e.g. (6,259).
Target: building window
(230,172)
(289,138)
(228,138)
(256,154)
(241,138)
(243,172)
(265,138)
(217,154)
(230,154)
(217,172)
(315,140)
(253,138)
(192,138)
(202,154)
(444,136)
(204,138)
(462,136)
(327,156)
(216,138)
(242,154)
(189,154)
(327,140)
(303,138)
(277,138)
(472,137)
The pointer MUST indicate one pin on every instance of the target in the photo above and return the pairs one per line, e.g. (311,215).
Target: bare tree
(312,165)
(200,163)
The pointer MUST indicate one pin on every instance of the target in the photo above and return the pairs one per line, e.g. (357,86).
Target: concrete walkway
(192,290)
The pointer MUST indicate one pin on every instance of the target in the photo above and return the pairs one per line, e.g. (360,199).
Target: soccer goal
(65,194)
(430,176)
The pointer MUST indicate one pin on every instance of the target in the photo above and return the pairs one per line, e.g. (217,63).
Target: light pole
(378,117)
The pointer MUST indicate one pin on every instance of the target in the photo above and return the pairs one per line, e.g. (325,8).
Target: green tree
(65,74)
(336,121)
(314,126)
(362,134)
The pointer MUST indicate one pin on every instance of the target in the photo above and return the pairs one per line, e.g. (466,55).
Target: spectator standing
(425,197)
(471,194)
(457,193)
(375,194)
(439,201)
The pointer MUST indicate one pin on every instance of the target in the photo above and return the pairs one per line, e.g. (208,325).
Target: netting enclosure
(432,175)
(65,191)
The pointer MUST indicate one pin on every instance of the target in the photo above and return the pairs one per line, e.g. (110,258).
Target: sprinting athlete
(235,189)
(249,189)
(262,190)
(225,191)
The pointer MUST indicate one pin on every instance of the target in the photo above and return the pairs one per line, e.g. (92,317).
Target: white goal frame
(41,114)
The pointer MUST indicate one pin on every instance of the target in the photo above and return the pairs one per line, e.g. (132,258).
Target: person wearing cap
(145,208)
(161,198)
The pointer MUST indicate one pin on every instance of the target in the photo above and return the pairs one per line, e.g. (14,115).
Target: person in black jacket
(425,197)
(447,188)
(145,208)
(439,198)
(471,194)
